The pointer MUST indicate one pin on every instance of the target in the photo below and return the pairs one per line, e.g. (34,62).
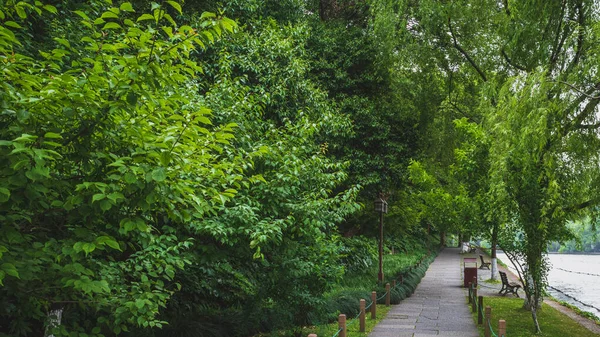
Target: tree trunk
(535,320)
(494,257)
(54,320)
(442,239)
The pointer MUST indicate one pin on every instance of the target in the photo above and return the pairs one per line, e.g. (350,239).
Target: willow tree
(531,68)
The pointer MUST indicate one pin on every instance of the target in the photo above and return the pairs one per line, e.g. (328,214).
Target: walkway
(437,308)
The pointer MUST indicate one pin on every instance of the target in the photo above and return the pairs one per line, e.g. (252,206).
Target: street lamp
(381,206)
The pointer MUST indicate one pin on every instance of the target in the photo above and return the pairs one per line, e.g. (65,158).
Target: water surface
(570,276)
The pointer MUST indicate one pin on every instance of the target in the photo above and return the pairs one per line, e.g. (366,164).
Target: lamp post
(381,206)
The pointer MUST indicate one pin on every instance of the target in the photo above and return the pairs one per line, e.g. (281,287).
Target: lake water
(569,275)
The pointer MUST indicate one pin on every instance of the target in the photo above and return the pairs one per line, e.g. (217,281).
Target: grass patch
(519,323)
(353,326)
(493,281)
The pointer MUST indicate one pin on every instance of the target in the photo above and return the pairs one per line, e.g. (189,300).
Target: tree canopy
(163,161)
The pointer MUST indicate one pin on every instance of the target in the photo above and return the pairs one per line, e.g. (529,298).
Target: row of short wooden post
(361,317)
(488,311)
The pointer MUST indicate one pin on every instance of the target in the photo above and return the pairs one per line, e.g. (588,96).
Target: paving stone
(437,308)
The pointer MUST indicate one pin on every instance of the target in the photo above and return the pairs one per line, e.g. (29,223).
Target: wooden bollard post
(480,312)
(501,328)
(374,305)
(342,325)
(388,295)
(362,315)
(474,304)
(488,316)
(470,291)
(401,280)
(394,284)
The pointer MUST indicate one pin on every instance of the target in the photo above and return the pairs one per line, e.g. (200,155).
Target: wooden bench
(484,264)
(508,287)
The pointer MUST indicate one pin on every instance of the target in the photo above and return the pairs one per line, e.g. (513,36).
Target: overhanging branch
(510,62)
(464,53)
(583,205)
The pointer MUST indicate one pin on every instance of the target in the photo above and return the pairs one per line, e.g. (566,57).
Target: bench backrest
(503,277)
(481,257)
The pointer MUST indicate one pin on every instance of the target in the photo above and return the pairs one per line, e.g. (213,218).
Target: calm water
(568,275)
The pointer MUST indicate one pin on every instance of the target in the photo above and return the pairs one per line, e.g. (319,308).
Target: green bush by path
(518,320)
(345,298)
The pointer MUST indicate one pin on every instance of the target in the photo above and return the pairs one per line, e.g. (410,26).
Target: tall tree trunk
(494,257)
(442,238)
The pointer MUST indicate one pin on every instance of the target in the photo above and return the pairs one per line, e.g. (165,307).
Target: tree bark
(494,257)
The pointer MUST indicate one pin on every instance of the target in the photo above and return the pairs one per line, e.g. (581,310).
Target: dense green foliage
(165,167)
(163,163)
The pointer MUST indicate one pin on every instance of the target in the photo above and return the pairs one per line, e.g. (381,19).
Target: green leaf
(20,12)
(116,196)
(98,196)
(10,269)
(113,244)
(4,194)
(204,120)
(88,247)
(141,225)
(109,15)
(82,15)
(130,178)
(99,21)
(145,17)
(207,15)
(111,25)
(105,205)
(126,6)
(13,24)
(38,173)
(50,9)
(159,174)
(21,164)
(170,272)
(139,303)
(175,5)
(53,135)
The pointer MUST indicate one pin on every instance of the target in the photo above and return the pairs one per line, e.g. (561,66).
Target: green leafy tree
(106,154)
(525,65)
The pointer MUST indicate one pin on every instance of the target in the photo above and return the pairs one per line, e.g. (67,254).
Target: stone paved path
(437,308)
